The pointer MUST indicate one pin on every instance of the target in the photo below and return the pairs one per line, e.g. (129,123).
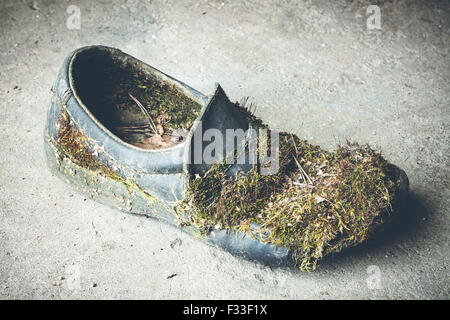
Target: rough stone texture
(312,67)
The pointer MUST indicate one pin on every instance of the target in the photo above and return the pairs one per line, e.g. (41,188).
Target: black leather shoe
(101,140)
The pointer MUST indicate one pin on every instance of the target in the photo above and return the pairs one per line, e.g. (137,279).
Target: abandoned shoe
(141,141)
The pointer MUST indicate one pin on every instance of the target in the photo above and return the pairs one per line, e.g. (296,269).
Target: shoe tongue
(207,143)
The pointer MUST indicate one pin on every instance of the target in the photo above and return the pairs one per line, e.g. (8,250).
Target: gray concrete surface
(313,68)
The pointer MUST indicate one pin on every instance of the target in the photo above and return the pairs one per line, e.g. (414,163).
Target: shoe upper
(162,171)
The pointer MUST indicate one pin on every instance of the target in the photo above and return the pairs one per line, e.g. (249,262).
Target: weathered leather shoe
(103,138)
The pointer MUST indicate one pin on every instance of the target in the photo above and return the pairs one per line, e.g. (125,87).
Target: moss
(162,100)
(317,204)
(74,144)
(245,108)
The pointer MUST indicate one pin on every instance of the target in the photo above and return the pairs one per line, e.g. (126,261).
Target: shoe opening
(130,101)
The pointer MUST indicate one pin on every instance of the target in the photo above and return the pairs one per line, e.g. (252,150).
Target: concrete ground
(313,67)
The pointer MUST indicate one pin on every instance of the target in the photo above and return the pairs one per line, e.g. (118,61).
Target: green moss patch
(74,144)
(317,204)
